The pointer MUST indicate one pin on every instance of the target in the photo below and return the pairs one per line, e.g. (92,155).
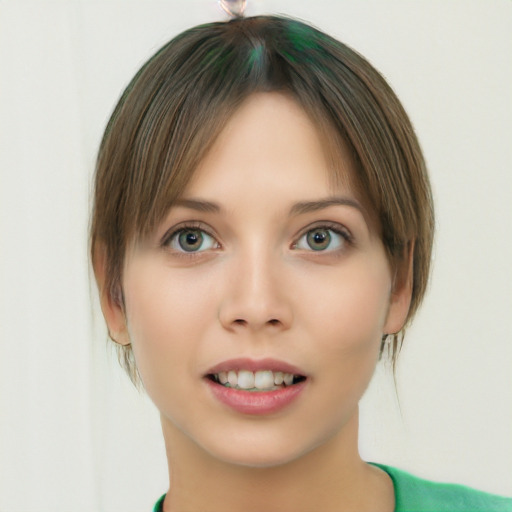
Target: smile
(256,387)
(262,380)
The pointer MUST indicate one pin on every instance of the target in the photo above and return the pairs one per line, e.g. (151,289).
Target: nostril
(241,321)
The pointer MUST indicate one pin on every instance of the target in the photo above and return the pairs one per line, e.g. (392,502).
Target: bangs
(179,102)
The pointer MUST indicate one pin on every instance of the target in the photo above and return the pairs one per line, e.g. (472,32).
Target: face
(263,268)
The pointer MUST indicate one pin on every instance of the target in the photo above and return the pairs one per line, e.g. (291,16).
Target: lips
(256,387)
(252,365)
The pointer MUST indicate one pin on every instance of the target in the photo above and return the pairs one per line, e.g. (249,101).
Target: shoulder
(415,494)
(159,504)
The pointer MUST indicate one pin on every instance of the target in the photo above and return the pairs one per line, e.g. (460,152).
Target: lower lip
(256,402)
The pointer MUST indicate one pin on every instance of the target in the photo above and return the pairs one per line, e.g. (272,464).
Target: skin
(257,289)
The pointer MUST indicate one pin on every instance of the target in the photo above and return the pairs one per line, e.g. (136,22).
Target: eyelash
(334,228)
(172,235)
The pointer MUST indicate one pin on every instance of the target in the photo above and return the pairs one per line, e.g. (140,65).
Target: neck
(329,477)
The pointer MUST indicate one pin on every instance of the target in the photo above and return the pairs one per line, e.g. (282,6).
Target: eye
(191,240)
(322,238)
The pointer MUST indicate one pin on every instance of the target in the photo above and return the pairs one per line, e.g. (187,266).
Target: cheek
(351,303)
(167,317)
(160,302)
(346,318)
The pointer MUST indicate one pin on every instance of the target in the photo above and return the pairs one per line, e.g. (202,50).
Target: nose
(255,296)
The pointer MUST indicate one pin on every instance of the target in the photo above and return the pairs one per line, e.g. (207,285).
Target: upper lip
(255,365)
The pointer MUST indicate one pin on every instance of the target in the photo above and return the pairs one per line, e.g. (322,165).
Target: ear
(401,294)
(111,305)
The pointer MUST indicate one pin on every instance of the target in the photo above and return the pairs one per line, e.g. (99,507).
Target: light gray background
(74,434)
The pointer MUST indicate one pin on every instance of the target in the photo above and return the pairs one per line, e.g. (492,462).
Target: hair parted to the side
(176,105)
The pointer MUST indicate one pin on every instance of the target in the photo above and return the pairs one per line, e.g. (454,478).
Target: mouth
(263,387)
(255,381)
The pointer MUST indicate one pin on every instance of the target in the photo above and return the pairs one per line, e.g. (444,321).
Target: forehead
(271,143)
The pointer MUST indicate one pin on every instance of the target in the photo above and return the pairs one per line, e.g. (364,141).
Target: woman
(261,233)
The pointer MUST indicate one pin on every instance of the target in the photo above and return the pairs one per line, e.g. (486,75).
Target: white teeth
(264,380)
(232,378)
(288,379)
(245,379)
(278,378)
(260,380)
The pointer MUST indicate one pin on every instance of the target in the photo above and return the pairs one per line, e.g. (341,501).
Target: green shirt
(413,494)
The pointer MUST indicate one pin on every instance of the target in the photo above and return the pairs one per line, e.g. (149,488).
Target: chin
(257,460)
(263,454)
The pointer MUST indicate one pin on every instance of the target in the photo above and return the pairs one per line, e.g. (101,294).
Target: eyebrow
(313,206)
(199,205)
(299,208)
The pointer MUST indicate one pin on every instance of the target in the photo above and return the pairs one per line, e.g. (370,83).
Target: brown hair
(179,101)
